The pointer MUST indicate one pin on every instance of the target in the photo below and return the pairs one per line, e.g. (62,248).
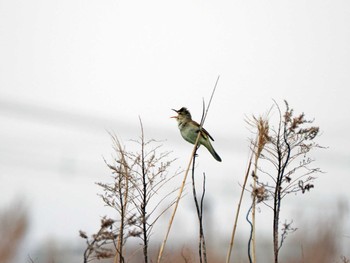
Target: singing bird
(189,130)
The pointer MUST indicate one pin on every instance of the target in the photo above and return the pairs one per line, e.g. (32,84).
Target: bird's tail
(212,151)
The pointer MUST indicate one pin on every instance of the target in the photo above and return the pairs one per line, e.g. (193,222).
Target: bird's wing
(205,133)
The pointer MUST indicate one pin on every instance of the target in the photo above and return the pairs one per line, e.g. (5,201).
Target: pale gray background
(71,70)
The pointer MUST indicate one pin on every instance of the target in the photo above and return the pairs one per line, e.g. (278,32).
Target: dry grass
(13,226)
(316,242)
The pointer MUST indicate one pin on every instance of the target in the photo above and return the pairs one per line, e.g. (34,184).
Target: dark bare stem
(160,254)
(122,222)
(199,209)
(144,197)
(202,203)
(251,233)
(161,250)
(277,193)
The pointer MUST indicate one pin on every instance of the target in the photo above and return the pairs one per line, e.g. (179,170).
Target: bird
(189,130)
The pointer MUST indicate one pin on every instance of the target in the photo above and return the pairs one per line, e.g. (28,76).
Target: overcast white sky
(70,70)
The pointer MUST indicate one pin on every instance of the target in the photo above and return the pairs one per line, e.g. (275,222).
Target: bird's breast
(189,132)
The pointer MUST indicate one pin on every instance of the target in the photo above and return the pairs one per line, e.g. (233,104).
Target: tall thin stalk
(161,250)
(232,240)
(262,139)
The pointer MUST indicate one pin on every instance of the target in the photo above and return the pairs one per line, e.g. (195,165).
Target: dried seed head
(83,234)
(312,133)
(297,121)
(263,133)
(103,253)
(260,194)
(106,222)
(135,233)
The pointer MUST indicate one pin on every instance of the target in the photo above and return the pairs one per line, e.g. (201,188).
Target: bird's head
(182,114)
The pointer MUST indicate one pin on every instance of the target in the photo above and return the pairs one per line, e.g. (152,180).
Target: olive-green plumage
(189,130)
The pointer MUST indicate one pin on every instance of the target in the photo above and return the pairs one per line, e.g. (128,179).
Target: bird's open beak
(174,116)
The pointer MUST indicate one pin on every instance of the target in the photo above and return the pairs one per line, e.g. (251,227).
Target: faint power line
(54,116)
